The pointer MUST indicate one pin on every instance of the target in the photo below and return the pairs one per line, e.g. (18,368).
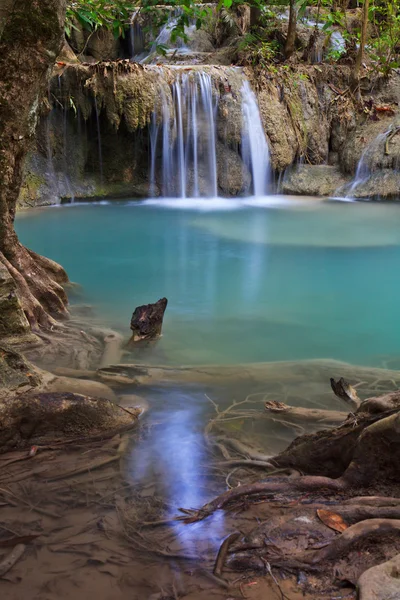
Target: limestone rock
(313,180)
(102,45)
(200,41)
(381,582)
(278,126)
(369,140)
(383,184)
(233,175)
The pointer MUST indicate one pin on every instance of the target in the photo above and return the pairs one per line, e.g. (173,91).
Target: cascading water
(187,142)
(99,140)
(255,151)
(185,159)
(363,171)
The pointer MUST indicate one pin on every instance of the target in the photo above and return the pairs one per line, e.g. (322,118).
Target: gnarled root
(267,488)
(372,528)
(373,458)
(38,283)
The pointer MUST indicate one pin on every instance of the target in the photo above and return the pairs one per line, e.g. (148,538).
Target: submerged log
(147,320)
(253,373)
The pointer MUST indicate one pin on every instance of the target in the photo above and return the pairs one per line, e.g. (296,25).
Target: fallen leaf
(332,520)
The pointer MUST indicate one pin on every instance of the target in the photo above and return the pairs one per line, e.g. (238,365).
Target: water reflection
(171,459)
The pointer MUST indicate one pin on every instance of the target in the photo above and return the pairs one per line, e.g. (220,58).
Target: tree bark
(360,54)
(291,34)
(31,38)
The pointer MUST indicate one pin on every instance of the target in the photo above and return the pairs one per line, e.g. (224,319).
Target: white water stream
(184,143)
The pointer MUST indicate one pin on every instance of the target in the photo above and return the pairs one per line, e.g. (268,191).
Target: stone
(200,41)
(313,180)
(383,184)
(102,45)
(381,582)
(233,175)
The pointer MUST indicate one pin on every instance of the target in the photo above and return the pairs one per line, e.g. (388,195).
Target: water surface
(250,280)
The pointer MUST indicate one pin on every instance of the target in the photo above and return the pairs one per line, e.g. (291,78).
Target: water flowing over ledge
(119,129)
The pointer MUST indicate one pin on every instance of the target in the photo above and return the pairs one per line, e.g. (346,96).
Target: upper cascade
(188,135)
(205,136)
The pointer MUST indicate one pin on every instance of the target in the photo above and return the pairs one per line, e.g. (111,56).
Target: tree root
(370,463)
(11,559)
(372,528)
(222,553)
(38,282)
(302,484)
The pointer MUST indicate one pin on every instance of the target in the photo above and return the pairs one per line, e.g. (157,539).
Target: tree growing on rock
(31,36)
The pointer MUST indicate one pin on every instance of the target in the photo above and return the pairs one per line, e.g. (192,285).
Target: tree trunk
(360,54)
(291,34)
(31,38)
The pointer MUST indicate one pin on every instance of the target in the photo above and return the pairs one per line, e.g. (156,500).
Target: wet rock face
(233,175)
(313,180)
(302,115)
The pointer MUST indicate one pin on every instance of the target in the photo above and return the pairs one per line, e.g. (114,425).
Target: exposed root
(268,488)
(222,553)
(373,528)
(11,559)
(38,281)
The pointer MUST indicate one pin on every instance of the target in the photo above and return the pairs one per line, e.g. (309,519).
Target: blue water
(246,281)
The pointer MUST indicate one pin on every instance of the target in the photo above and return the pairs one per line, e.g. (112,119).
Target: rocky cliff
(94,137)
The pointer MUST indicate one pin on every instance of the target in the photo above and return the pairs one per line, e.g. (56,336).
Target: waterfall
(51,172)
(255,151)
(209,107)
(99,140)
(186,153)
(188,147)
(364,171)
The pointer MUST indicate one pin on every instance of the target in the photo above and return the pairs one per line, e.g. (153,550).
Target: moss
(30,189)
(39,22)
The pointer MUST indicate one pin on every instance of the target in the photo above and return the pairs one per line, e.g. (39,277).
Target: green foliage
(116,15)
(92,14)
(260,47)
(258,51)
(384,47)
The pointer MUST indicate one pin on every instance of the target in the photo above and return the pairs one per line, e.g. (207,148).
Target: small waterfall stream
(255,151)
(364,170)
(184,143)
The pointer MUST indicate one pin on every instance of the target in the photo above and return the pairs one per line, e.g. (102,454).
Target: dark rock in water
(147,320)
